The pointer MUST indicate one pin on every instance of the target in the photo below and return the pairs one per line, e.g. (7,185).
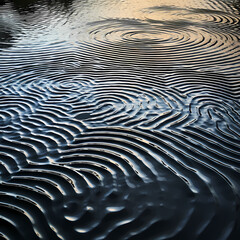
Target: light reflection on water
(71,23)
(119,119)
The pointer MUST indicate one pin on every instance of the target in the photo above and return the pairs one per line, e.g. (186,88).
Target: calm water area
(120,119)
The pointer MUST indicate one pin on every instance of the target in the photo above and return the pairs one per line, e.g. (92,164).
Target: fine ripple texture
(119,120)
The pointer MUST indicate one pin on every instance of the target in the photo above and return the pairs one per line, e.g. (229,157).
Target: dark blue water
(119,119)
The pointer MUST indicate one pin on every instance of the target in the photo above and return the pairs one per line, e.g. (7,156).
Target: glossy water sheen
(119,119)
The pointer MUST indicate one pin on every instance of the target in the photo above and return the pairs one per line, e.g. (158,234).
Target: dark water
(119,119)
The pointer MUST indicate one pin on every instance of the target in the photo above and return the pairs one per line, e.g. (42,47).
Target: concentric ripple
(119,120)
(205,46)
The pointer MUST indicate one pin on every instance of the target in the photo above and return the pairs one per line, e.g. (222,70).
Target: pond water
(119,119)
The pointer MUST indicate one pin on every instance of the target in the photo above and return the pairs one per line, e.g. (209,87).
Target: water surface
(119,119)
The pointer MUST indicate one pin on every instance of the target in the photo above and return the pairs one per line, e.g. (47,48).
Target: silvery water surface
(119,119)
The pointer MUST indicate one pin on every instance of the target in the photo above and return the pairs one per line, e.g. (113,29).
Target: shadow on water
(26,6)
(5,34)
(236,4)
(11,23)
(5,38)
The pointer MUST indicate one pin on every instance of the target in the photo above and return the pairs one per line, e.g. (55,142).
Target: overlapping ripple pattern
(119,119)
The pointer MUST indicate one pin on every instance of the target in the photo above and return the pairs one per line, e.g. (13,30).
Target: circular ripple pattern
(190,44)
(119,124)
